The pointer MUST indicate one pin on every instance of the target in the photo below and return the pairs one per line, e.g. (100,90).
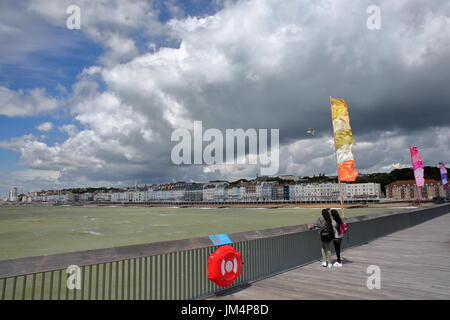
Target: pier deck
(414,264)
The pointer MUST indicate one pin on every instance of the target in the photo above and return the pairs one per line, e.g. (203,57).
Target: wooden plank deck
(414,263)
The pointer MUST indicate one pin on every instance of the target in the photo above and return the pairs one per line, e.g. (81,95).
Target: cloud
(28,180)
(45,127)
(97,15)
(113,24)
(7,29)
(25,103)
(253,64)
(69,129)
(29,44)
(119,49)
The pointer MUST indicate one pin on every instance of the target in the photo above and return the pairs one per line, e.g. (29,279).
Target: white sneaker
(329,265)
(324,264)
(337,265)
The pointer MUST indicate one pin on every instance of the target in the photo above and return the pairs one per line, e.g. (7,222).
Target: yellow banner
(343,140)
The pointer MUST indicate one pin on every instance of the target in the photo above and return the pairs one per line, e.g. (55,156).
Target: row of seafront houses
(253,191)
(216,192)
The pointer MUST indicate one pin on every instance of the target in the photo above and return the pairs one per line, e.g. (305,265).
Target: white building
(194,192)
(318,192)
(215,191)
(315,192)
(264,190)
(233,194)
(149,194)
(209,192)
(248,192)
(362,191)
(159,192)
(177,191)
(138,195)
(26,198)
(164,193)
(102,196)
(54,197)
(220,191)
(118,196)
(13,194)
(87,196)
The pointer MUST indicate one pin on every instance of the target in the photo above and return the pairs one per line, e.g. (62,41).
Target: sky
(97,106)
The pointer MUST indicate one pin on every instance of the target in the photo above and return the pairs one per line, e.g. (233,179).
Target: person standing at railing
(338,235)
(326,232)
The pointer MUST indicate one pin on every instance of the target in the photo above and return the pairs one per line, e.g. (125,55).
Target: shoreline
(226,206)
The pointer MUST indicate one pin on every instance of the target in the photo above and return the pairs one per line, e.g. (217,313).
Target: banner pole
(418,195)
(341,197)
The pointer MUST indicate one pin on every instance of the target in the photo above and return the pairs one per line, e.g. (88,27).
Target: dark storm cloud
(266,64)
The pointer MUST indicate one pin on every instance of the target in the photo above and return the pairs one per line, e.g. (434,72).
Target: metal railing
(177,269)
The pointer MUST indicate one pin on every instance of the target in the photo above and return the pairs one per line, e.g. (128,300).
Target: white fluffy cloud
(69,129)
(45,127)
(25,103)
(254,64)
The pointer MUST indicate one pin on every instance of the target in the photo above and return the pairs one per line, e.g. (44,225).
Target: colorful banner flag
(443,170)
(343,140)
(417,166)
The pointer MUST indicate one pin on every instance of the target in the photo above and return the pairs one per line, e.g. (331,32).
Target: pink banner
(417,166)
(443,170)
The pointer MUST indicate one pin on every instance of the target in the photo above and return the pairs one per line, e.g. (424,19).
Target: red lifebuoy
(224,265)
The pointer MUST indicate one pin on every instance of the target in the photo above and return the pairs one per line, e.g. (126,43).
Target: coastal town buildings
(216,191)
(407,190)
(194,192)
(233,194)
(246,191)
(208,192)
(119,196)
(266,191)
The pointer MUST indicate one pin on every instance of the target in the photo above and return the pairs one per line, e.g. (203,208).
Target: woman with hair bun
(338,235)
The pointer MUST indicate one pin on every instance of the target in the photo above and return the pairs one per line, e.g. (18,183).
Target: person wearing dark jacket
(326,234)
(337,222)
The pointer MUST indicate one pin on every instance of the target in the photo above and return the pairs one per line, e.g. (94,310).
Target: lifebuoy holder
(224,265)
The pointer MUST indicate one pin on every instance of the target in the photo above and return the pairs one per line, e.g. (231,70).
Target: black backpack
(326,235)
